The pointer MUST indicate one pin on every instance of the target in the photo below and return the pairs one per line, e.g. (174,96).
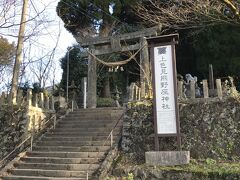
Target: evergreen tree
(86,18)
(77,67)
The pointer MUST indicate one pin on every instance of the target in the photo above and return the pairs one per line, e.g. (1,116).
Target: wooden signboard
(166,115)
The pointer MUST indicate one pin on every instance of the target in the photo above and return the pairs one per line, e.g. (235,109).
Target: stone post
(192,89)
(52,103)
(35,100)
(219,88)
(92,81)
(139,93)
(211,78)
(180,89)
(29,97)
(131,92)
(46,102)
(205,89)
(136,93)
(41,102)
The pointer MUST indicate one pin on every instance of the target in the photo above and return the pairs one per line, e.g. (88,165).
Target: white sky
(46,41)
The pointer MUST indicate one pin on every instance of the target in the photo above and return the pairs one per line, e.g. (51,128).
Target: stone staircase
(73,150)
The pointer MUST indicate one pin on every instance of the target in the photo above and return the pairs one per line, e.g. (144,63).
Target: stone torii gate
(119,43)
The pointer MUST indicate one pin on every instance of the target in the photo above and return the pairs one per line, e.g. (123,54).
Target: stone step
(89,117)
(84,125)
(93,116)
(75,147)
(58,160)
(80,134)
(63,154)
(72,149)
(12,177)
(73,143)
(52,166)
(89,129)
(77,138)
(84,121)
(49,173)
(97,110)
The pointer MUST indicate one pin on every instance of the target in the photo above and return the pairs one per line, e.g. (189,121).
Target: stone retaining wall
(210,129)
(19,123)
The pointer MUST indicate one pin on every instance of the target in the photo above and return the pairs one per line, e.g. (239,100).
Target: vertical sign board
(164,88)
(165,93)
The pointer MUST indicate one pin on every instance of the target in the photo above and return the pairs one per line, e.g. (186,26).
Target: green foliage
(216,45)
(86,16)
(130,176)
(77,68)
(210,161)
(24,87)
(37,88)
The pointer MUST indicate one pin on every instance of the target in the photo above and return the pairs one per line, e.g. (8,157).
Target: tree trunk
(18,58)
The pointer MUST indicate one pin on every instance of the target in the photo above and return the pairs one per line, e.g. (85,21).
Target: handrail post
(111,138)
(85,93)
(31,145)
(87,175)
(54,122)
(72,105)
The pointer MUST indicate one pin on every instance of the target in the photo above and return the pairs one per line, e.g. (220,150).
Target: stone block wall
(12,128)
(26,118)
(210,129)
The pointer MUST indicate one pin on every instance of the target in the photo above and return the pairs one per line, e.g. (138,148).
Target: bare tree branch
(181,14)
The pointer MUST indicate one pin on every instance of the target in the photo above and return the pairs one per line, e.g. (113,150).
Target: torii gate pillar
(92,82)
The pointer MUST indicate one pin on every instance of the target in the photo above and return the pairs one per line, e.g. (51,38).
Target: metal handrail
(29,137)
(111,140)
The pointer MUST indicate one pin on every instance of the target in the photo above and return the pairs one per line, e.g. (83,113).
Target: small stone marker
(167,158)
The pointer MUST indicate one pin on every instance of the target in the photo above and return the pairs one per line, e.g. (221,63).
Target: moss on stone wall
(210,129)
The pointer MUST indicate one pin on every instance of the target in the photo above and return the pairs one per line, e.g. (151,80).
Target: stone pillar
(92,82)
(131,92)
(180,89)
(41,102)
(29,97)
(219,88)
(52,103)
(46,102)
(145,78)
(35,100)
(192,89)
(136,93)
(205,89)
(211,78)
